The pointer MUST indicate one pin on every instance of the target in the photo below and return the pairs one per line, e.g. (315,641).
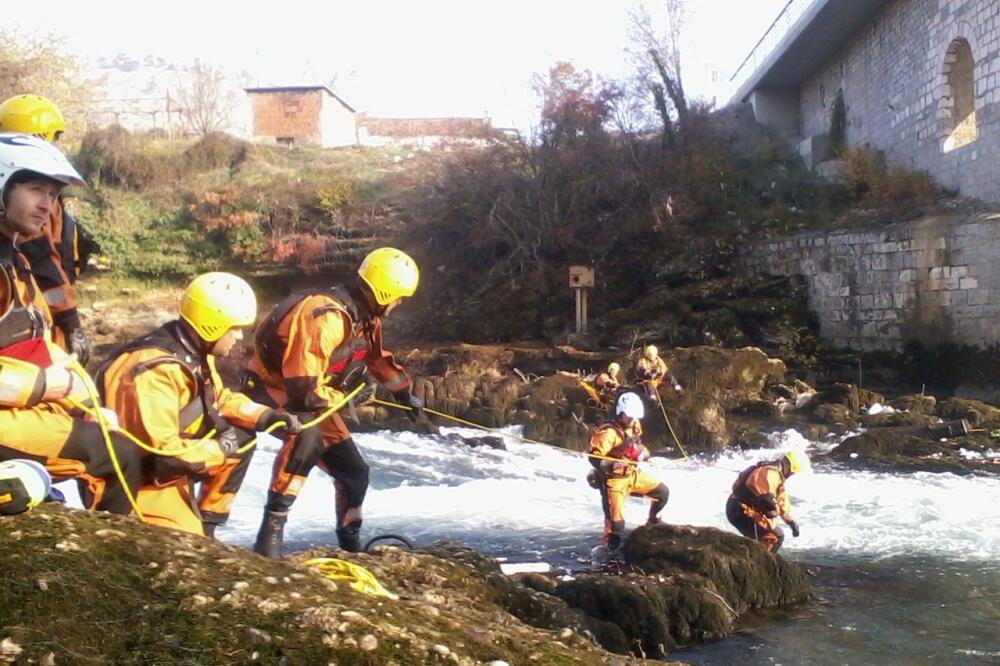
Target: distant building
(916,79)
(426,132)
(301,115)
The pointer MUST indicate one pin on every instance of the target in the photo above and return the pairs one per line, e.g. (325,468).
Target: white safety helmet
(630,405)
(23,485)
(20,152)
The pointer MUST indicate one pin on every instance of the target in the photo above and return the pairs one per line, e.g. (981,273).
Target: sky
(400,57)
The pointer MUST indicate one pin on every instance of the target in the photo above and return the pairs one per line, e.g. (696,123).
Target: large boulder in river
(689,584)
(944,447)
(732,377)
(978,413)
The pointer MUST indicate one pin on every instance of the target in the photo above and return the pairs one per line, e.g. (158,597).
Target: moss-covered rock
(689,584)
(835,415)
(854,398)
(978,413)
(918,449)
(97,588)
(915,402)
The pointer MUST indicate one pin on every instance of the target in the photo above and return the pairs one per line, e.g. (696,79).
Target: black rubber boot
(271,534)
(349,537)
(209,529)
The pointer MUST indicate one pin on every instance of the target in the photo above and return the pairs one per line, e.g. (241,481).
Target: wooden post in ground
(581,278)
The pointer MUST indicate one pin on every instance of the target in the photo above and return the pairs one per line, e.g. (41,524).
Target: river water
(907,566)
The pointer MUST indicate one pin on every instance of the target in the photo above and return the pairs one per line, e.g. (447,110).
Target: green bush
(115,156)
(216,150)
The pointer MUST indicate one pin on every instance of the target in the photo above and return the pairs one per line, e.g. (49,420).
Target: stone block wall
(903,85)
(935,280)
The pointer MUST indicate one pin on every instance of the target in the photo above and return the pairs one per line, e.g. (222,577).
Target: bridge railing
(789,14)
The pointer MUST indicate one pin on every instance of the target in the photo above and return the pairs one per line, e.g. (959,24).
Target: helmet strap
(201,345)
(362,294)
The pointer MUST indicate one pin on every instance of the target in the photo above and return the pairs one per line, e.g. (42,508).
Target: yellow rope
(501,433)
(179,451)
(669,427)
(103,425)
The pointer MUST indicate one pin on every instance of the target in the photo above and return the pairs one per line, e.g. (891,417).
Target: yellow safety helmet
(797,461)
(390,273)
(650,351)
(613,368)
(31,114)
(215,302)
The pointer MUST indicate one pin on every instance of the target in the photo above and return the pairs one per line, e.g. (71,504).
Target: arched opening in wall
(958,96)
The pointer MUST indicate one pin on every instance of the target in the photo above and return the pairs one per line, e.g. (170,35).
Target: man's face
(29,205)
(225,344)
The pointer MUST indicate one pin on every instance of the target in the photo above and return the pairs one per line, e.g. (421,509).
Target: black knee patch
(660,495)
(306,450)
(14,497)
(344,463)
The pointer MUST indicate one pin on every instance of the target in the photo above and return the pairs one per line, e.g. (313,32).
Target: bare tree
(39,65)
(657,56)
(205,102)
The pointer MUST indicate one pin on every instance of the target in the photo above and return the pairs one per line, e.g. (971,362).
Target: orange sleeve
(383,365)
(235,407)
(314,331)
(784,506)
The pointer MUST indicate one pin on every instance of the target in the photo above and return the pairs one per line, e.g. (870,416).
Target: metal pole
(583,320)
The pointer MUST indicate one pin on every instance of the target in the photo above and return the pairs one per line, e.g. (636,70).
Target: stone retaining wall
(935,280)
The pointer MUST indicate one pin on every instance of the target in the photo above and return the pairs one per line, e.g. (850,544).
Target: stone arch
(957,105)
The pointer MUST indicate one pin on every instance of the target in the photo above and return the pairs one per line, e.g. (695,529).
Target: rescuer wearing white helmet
(616,447)
(37,380)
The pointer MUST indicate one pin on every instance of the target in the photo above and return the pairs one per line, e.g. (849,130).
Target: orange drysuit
(48,431)
(168,393)
(309,352)
(758,497)
(618,480)
(55,260)
(606,385)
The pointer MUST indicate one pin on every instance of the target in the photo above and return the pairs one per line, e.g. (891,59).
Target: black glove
(68,322)
(229,441)
(409,400)
(79,345)
(364,395)
(287,422)
(794,526)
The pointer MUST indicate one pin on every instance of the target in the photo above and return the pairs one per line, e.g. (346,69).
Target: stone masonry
(905,82)
(934,280)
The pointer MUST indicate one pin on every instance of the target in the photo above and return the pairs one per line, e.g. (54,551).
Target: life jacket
(628,449)
(740,490)
(20,320)
(346,363)
(200,415)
